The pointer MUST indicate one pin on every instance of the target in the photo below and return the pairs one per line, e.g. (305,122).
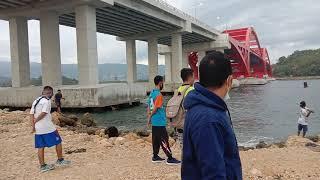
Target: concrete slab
(253,81)
(76,96)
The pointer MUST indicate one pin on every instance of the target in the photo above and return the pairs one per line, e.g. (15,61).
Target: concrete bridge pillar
(201,55)
(185,59)
(50,49)
(131,60)
(176,49)
(87,53)
(152,59)
(19,46)
(168,67)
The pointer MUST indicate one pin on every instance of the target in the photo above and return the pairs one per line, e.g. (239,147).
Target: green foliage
(300,63)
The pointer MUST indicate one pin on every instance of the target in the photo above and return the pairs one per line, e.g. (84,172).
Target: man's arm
(148,116)
(40,117)
(46,108)
(209,146)
(32,123)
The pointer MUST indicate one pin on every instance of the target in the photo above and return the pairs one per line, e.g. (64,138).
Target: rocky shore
(95,155)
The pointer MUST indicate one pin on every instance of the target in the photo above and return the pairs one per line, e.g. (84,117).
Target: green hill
(300,63)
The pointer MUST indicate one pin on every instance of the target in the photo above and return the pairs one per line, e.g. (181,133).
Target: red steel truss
(248,58)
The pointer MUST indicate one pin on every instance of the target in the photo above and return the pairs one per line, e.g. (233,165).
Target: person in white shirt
(46,134)
(303,118)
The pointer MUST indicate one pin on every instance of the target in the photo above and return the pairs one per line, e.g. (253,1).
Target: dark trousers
(160,138)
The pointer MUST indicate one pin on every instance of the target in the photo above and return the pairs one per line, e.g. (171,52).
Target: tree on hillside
(300,63)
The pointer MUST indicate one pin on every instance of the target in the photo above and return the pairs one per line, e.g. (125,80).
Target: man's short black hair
(59,90)
(158,79)
(185,73)
(214,69)
(47,88)
(303,104)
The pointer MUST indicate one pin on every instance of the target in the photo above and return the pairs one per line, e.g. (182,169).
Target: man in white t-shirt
(303,118)
(46,134)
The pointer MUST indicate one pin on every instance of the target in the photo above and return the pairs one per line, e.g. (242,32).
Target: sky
(283,26)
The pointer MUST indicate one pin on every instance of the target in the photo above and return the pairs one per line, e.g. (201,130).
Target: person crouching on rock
(46,135)
(157,117)
(303,118)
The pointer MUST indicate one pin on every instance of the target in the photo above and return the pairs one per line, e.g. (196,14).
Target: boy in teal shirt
(157,118)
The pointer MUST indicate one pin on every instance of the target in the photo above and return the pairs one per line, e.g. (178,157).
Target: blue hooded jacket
(210,149)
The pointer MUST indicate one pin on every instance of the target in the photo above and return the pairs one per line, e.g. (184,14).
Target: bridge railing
(185,15)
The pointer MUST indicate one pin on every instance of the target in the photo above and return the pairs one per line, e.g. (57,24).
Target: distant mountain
(300,63)
(107,72)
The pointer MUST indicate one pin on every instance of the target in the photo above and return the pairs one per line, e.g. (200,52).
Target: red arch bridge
(248,58)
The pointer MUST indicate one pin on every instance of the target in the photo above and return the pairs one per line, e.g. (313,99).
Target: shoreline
(129,156)
(297,78)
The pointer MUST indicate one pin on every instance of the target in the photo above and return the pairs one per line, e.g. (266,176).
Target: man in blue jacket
(210,147)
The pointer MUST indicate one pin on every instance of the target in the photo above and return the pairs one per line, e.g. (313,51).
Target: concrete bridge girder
(148,20)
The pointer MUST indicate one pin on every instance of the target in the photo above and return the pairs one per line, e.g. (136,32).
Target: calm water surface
(268,112)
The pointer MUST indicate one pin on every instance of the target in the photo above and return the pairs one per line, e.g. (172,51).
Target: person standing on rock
(57,100)
(46,134)
(303,118)
(157,118)
(210,149)
(187,77)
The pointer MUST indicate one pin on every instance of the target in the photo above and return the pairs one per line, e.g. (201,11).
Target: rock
(112,132)
(119,141)
(171,133)
(92,130)
(87,120)
(74,117)
(131,137)
(171,141)
(142,132)
(102,134)
(311,145)
(262,144)
(86,139)
(139,141)
(148,139)
(243,148)
(97,132)
(294,141)
(80,150)
(255,172)
(3,130)
(105,143)
(112,140)
(55,118)
(128,144)
(313,138)
(18,112)
(62,120)
(280,144)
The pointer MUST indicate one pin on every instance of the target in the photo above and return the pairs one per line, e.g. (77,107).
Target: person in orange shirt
(157,118)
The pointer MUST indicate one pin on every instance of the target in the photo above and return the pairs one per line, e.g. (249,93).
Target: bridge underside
(152,21)
(122,19)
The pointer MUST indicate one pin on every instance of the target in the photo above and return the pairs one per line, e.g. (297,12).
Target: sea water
(259,113)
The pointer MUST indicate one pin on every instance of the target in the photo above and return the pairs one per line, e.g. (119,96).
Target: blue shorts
(47,140)
(302,127)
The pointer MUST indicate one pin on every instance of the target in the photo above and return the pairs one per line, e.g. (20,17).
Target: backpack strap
(183,94)
(39,99)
